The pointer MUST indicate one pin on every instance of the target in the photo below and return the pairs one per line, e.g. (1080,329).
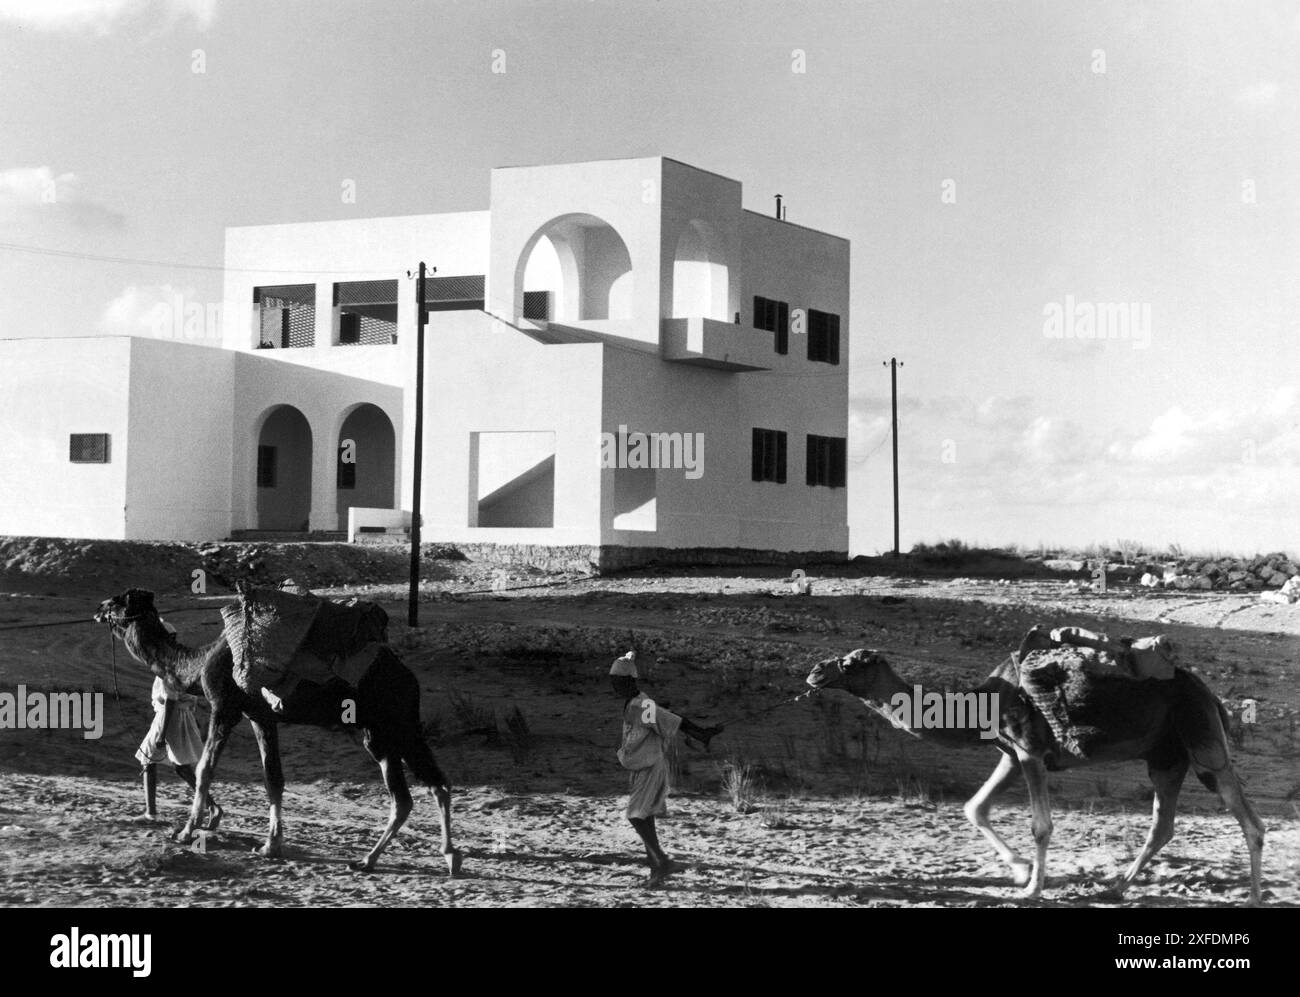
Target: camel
(387,710)
(1170,724)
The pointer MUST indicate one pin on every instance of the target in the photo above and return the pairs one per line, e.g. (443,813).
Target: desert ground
(814,803)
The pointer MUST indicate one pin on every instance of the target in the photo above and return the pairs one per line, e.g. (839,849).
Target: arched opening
(701,277)
(284,470)
(576,268)
(366,456)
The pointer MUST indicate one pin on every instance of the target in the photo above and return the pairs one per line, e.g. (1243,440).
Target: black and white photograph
(651,454)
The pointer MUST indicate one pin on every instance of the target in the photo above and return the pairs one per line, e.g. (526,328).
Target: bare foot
(147,819)
(660,873)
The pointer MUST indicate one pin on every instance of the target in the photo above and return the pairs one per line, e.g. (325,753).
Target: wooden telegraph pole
(413,600)
(894,364)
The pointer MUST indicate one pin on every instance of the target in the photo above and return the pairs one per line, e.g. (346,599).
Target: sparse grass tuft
(740,784)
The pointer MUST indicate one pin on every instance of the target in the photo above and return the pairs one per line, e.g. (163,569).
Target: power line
(96,257)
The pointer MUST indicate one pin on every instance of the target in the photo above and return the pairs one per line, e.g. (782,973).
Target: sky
(1011,175)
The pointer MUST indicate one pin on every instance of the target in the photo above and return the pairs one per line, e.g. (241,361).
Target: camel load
(282,636)
(1060,671)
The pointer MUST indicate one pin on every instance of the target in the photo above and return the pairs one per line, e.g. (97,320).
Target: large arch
(701,274)
(282,478)
(585,265)
(367,457)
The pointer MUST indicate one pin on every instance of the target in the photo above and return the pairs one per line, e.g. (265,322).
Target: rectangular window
(768,455)
(367,311)
(266,467)
(823,336)
(90,448)
(826,461)
(286,316)
(774,316)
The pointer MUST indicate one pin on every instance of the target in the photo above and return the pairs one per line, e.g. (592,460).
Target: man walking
(648,730)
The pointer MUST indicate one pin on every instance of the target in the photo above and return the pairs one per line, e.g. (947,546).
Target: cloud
(37,192)
(1261,94)
(162,311)
(101,16)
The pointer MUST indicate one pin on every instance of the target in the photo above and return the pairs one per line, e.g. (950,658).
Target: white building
(621,312)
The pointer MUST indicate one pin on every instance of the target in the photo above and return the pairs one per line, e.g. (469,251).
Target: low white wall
(391,519)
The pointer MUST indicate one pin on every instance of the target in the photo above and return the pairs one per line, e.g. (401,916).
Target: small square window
(90,448)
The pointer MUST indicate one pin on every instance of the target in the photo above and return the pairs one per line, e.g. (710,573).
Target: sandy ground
(835,808)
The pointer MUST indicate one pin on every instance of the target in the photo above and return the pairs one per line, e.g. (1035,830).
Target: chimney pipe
(778,207)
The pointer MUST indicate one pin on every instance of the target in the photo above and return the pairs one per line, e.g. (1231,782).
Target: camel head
(121,610)
(864,673)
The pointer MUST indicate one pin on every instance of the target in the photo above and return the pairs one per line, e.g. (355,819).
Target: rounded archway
(701,276)
(283,479)
(576,268)
(366,458)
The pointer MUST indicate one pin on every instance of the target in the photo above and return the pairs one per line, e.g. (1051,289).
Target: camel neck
(150,643)
(950,717)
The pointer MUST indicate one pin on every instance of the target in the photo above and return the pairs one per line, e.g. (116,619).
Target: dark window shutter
(780,458)
(838,459)
(833,337)
(810,462)
(759,313)
(757,456)
(782,328)
(284,328)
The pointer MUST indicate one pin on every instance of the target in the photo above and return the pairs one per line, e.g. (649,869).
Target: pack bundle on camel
(289,657)
(1065,702)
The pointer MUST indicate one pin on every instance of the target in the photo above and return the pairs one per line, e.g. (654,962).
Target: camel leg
(220,725)
(977,812)
(268,744)
(1228,785)
(399,795)
(1167,783)
(1040,804)
(425,767)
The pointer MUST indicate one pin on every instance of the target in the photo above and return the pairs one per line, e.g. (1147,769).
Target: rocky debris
(1191,574)
(171,567)
(1287,594)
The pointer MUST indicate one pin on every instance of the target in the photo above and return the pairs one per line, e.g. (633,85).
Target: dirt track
(847,812)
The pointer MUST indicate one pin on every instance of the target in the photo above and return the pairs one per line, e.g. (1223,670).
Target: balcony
(706,342)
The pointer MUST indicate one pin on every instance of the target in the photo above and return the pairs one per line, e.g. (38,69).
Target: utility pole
(894,364)
(413,603)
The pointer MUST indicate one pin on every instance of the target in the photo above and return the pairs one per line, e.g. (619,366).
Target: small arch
(282,475)
(701,274)
(584,265)
(365,470)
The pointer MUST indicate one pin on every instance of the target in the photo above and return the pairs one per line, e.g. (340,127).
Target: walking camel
(1172,725)
(387,710)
